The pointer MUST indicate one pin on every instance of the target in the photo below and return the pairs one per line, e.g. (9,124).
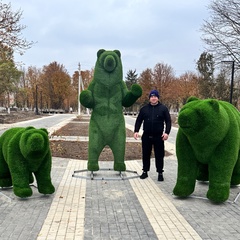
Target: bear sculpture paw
(119,167)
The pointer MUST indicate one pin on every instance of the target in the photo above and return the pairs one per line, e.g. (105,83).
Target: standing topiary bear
(207,147)
(106,95)
(24,151)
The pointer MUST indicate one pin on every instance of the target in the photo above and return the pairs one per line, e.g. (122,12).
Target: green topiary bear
(207,147)
(106,95)
(24,151)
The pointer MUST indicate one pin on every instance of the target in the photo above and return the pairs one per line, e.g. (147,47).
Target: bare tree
(146,81)
(186,85)
(221,33)
(56,82)
(11,29)
(163,74)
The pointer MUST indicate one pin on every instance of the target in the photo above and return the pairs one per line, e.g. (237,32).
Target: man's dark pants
(158,145)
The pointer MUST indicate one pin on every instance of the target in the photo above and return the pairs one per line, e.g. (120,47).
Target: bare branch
(11,29)
(222,32)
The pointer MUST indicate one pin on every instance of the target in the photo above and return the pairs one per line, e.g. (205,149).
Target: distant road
(56,121)
(51,123)
(130,121)
(170,143)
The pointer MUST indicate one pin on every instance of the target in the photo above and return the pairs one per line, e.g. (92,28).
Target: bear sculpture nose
(109,63)
(35,142)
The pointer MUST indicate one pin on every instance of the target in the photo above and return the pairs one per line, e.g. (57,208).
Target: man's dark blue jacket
(153,118)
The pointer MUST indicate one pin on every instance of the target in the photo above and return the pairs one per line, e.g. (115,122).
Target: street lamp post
(37,99)
(41,102)
(79,89)
(232,79)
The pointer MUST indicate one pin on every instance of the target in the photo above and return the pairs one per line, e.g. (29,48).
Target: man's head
(154,93)
(153,97)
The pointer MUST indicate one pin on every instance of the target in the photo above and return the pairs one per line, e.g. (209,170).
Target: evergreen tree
(131,78)
(205,66)
(9,78)
(221,90)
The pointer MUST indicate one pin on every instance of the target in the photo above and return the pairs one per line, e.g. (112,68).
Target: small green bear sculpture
(24,151)
(207,148)
(106,95)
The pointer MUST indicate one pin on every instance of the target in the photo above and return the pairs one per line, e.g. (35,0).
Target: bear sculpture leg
(235,180)
(5,176)
(95,147)
(118,150)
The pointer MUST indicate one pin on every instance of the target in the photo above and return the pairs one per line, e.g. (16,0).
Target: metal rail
(120,175)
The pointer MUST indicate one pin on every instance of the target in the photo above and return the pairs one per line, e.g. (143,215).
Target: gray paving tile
(23,218)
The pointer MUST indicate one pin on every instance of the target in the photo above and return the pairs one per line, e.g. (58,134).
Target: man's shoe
(144,175)
(160,177)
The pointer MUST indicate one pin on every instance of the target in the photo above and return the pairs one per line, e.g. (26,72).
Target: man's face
(153,100)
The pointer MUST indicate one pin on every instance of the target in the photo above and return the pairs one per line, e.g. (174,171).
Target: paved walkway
(118,213)
(116,209)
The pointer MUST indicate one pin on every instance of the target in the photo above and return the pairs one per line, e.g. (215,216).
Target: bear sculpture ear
(44,129)
(215,105)
(192,98)
(28,128)
(100,51)
(117,52)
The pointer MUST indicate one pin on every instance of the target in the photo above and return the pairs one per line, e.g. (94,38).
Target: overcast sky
(146,32)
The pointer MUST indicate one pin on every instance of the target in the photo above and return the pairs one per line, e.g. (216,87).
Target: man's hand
(165,137)
(135,135)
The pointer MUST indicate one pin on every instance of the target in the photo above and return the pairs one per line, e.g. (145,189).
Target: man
(153,115)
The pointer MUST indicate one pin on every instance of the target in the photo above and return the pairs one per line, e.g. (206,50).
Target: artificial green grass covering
(24,151)
(106,95)
(207,148)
